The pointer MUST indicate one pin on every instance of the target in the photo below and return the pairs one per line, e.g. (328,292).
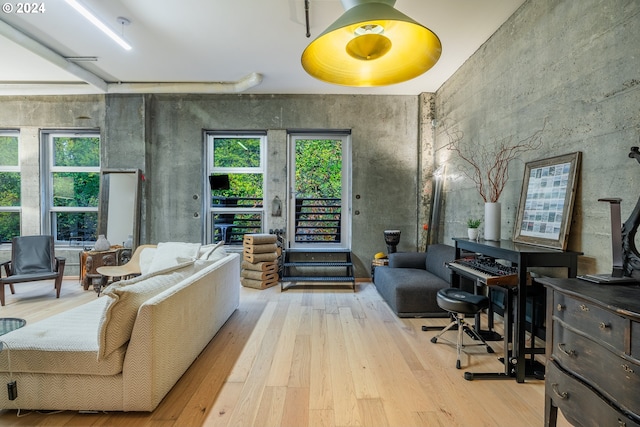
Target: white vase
(128,244)
(472,233)
(102,244)
(492,218)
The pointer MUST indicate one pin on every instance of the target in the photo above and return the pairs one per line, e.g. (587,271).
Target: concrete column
(30,189)
(276,179)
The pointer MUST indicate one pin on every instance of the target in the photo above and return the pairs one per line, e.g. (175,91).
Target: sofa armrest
(408,260)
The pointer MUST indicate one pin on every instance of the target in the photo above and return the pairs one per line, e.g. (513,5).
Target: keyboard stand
(516,363)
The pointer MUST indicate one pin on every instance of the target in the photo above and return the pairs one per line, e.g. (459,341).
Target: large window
(235,174)
(72,186)
(9,186)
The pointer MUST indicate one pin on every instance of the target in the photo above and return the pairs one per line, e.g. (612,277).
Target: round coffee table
(8,324)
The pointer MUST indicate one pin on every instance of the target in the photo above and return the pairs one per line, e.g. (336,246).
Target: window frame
(49,225)
(17,168)
(211,211)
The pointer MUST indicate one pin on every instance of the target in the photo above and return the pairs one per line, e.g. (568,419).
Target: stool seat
(460,304)
(457,301)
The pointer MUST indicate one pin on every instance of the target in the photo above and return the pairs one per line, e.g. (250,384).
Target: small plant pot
(472,233)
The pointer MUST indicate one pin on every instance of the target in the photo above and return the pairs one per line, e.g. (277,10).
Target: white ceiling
(214,41)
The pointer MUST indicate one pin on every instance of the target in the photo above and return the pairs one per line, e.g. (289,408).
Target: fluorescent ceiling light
(98,23)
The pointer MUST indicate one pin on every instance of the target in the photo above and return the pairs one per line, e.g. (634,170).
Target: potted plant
(472,228)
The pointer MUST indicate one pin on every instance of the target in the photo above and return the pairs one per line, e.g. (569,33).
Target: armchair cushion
(32,254)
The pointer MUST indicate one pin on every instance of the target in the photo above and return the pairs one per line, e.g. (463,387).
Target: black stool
(460,304)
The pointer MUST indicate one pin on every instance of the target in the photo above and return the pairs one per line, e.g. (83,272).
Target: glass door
(319,211)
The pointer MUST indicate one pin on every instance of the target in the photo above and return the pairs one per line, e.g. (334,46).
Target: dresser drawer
(603,326)
(635,340)
(579,404)
(616,378)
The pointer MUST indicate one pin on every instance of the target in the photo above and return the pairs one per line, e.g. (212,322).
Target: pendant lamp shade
(371,44)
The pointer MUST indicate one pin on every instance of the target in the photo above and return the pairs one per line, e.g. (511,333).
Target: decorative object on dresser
(102,244)
(625,256)
(593,351)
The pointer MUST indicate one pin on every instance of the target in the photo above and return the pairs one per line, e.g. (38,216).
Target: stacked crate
(259,261)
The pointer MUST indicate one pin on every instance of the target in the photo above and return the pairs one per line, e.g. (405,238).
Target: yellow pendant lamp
(371,44)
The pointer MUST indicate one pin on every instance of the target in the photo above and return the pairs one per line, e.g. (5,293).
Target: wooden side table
(91,260)
(378,263)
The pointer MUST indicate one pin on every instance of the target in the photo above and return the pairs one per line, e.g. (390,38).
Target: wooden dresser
(593,353)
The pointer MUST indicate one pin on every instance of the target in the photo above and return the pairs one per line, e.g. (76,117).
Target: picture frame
(546,201)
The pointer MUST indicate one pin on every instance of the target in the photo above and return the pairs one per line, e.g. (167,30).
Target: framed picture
(546,201)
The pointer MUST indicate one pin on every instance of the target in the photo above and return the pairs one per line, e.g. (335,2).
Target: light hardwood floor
(310,357)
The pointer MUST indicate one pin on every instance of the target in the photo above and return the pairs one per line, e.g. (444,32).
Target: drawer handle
(563,395)
(604,326)
(627,369)
(560,307)
(570,353)
(584,307)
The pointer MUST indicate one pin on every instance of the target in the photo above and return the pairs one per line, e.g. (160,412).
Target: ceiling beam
(50,55)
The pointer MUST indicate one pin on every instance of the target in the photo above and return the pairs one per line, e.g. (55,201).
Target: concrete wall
(163,136)
(575,64)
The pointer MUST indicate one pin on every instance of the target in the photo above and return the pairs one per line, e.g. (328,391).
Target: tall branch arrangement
(489,164)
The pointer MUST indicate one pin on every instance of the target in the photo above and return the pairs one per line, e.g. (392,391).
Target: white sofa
(125,350)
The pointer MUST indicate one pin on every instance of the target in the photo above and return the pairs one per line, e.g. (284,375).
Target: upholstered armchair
(32,259)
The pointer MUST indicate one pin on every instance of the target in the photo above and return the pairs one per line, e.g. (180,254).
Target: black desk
(523,257)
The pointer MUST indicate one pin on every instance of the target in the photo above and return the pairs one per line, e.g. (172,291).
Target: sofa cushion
(212,252)
(125,297)
(407,260)
(146,258)
(437,257)
(168,254)
(65,343)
